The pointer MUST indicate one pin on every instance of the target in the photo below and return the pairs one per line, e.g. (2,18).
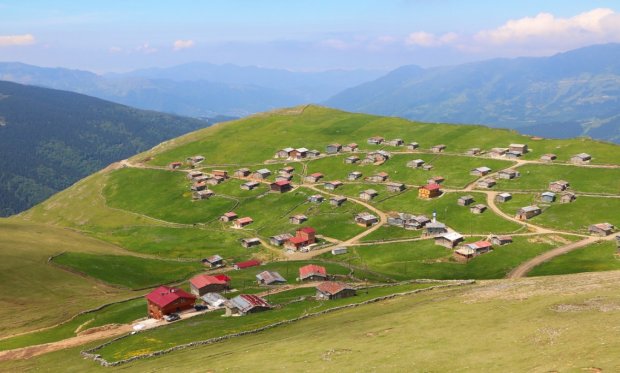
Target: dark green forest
(50,139)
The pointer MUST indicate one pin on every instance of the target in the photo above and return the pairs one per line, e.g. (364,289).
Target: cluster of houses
(296,153)
(207,289)
(303,239)
(407,221)
(200,182)
(468,200)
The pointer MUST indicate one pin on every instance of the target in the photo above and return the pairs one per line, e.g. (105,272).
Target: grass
(212,324)
(575,216)
(537,177)
(389,233)
(128,271)
(423,332)
(455,169)
(35,294)
(121,313)
(424,259)
(601,256)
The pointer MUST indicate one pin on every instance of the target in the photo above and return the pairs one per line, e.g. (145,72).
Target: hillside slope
(49,139)
(566,95)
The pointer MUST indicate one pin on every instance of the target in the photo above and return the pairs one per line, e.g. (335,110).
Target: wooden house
(528,212)
(486,183)
(312,272)
(242,172)
(192,175)
(352,159)
(438,148)
(242,222)
(503,197)
(567,197)
(314,177)
(435,228)
(195,159)
(547,197)
(354,175)
(229,216)
(365,219)
(429,191)
(284,153)
(337,200)
(270,278)
(166,300)
(250,185)
(352,147)
(416,163)
(283,176)
(297,219)
(175,165)
(377,157)
(501,240)
(333,148)
(558,186)
(313,153)
(378,178)
(332,185)
(246,303)
(395,142)
(512,155)
(473,151)
(518,148)
(287,169)
(601,229)
(549,157)
(375,140)
(247,264)
(413,146)
(339,251)
(427,167)
(334,290)
(203,194)
(299,153)
(581,158)
(497,152)
(281,186)
(303,237)
(465,200)
(368,194)
(508,174)
(436,180)
(215,180)
(316,198)
(280,239)
(201,185)
(249,242)
(480,171)
(478,208)
(261,174)
(471,250)
(220,173)
(214,261)
(202,284)
(449,240)
(395,187)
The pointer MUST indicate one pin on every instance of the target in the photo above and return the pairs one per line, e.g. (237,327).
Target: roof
(548,194)
(203,280)
(603,226)
(483,169)
(307,230)
(479,245)
(504,238)
(302,150)
(299,216)
(530,208)
(582,155)
(370,191)
(355,173)
(338,198)
(316,174)
(383,174)
(298,240)
(164,295)
(214,258)
(248,263)
(332,287)
(435,224)
(282,183)
(312,269)
(269,277)
(505,194)
(451,236)
(560,182)
(246,302)
(467,197)
(246,219)
(517,145)
(230,214)
(431,187)
(335,144)
(214,299)
(288,150)
(263,171)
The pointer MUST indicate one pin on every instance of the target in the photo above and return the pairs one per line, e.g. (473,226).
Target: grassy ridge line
(90,353)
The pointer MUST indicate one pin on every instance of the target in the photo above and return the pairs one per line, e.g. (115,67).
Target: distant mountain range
(49,139)
(570,94)
(196,89)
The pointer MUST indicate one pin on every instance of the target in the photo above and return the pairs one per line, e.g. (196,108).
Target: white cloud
(335,44)
(115,50)
(14,40)
(182,44)
(595,26)
(427,39)
(146,48)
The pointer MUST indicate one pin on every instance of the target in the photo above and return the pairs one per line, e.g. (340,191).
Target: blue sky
(120,35)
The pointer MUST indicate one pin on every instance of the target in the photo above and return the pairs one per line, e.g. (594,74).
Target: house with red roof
(303,237)
(242,222)
(166,300)
(247,264)
(229,216)
(281,186)
(472,250)
(246,303)
(202,284)
(334,290)
(312,272)
(313,178)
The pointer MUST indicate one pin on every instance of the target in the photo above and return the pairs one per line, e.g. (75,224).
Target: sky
(301,35)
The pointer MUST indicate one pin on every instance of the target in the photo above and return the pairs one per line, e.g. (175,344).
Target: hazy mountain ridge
(579,89)
(49,139)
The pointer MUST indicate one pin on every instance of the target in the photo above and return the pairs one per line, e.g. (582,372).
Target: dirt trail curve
(525,267)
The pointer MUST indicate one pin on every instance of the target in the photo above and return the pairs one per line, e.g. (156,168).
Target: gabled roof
(311,270)
(370,191)
(244,220)
(302,150)
(452,236)
(248,263)
(246,302)
(203,280)
(269,277)
(282,183)
(214,299)
(214,259)
(164,295)
(316,175)
(263,171)
(479,245)
(307,230)
(431,187)
(230,214)
(530,208)
(332,287)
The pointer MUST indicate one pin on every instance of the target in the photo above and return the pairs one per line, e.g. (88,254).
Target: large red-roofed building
(166,300)
(312,272)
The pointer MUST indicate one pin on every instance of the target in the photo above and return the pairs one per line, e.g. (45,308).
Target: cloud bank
(16,40)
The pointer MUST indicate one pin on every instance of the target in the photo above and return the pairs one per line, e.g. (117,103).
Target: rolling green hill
(49,139)
(143,212)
